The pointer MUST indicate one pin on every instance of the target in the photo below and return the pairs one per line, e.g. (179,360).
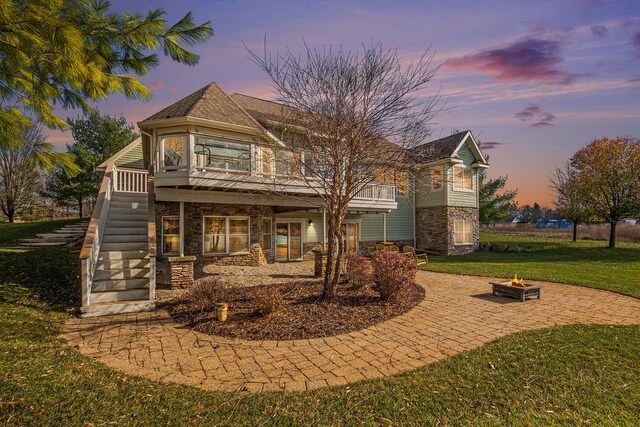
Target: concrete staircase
(121,282)
(68,235)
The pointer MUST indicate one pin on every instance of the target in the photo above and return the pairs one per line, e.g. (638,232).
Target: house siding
(425,196)
(131,159)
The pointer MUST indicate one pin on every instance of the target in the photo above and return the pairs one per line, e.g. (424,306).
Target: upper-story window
(402,183)
(216,153)
(462,178)
(436,179)
(174,151)
(288,163)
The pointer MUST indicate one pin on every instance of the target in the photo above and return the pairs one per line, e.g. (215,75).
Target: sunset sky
(533,80)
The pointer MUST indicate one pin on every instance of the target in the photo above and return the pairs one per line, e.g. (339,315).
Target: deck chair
(420,259)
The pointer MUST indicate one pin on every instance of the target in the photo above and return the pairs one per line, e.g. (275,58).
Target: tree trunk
(575,230)
(80,207)
(328,292)
(11,215)
(612,234)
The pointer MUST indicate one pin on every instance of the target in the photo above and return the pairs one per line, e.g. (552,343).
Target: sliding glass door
(288,240)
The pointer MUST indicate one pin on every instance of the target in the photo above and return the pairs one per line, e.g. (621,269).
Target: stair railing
(91,245)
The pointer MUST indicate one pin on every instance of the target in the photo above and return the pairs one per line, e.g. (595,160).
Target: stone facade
(181,275)
(193,238)
(435,229)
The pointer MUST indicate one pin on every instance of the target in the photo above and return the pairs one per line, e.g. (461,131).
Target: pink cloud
(599,31)
(157,85)
(524,61)
(539,117)
(490,145)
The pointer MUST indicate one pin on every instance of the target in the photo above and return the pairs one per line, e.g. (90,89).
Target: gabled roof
(447,148)
(210,103)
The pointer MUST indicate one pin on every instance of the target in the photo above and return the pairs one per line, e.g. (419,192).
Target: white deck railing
(130,181)
(377,192)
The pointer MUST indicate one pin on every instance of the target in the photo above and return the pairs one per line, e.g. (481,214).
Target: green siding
(425,196)
(132,159)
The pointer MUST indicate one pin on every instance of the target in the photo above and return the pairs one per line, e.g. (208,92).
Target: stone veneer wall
(435,228)
(193,214)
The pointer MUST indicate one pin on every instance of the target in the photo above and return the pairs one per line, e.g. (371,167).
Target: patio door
(350,233)
(288,240)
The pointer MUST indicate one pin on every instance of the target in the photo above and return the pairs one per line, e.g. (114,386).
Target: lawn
(567,375)
(585,262)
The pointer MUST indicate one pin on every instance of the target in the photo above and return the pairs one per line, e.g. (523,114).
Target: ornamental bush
(205,294)
(267,300)
(359,270)
(393,274)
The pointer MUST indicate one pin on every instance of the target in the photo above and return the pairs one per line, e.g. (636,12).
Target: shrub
(393,274)
(359,270)
(268,300)
(205,294)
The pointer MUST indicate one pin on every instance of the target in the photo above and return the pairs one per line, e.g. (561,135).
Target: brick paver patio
(458,313)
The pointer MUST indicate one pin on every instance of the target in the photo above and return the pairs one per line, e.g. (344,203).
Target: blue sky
(534,81)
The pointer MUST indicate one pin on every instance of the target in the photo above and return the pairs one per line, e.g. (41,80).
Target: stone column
(320,262)
(182,271)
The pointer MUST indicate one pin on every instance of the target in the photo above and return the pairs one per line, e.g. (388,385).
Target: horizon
(533,84)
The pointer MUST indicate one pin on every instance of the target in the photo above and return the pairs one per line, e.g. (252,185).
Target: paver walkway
(67,235)
(458,313)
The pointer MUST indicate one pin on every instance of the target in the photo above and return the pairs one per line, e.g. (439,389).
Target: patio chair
(380,247)
(392,248)
(371,249)
(420,259)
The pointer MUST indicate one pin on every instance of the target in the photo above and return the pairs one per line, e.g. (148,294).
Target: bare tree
(349,117)
(22,166)
(571,199)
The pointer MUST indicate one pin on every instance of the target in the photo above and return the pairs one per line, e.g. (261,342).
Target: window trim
(455,232)
(462,189)
(162,235)
(270,233)
(227,235)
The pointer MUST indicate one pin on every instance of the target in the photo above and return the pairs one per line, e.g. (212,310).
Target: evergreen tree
(71,52)
(97,137)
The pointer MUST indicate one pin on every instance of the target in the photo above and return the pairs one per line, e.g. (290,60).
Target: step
(121,255)
(60,236)
(131,273)
(74,232)
(128,217)
(119,285)
(120,307)
(126,230)
(112,223)
(122,195)
(116,210)
(123,264)
(113,296)
(125,238)
(124,246)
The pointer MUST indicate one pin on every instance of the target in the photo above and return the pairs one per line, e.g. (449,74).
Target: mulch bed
(302,314)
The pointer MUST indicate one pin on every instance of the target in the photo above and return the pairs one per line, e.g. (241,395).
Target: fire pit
(516,288)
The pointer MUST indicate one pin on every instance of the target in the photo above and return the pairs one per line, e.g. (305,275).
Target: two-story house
(209,182)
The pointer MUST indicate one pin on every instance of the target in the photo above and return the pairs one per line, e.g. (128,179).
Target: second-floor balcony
(196,161)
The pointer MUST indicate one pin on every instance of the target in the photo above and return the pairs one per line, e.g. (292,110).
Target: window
(221,154)
(225,235)
(384,177)
(436,181)
(463,230)
(402,183)
(288,163)
(462,178)
(266,234)
(170,235)
(174,151)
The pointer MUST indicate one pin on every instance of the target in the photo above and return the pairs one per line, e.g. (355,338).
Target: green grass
(11,233)
(568,375)
(585,262)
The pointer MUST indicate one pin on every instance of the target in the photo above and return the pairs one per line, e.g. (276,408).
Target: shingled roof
(268,113)
(211,103)
(439,149)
